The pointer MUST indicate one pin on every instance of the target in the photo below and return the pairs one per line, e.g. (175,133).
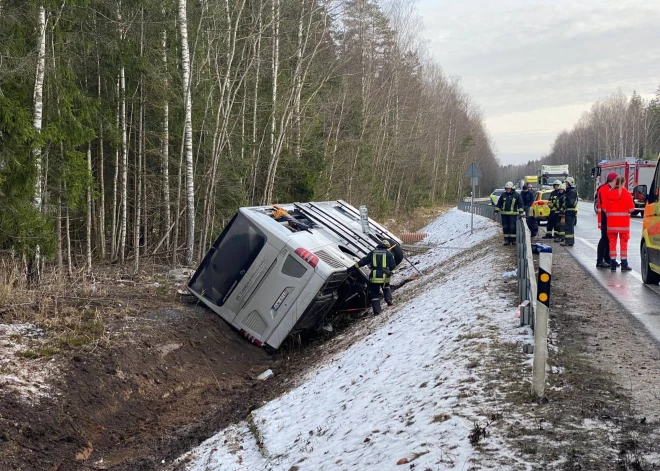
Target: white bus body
(271,278)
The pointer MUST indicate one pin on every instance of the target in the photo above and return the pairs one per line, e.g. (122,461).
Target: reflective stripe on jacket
(510,204)
(553,201)
(381,261)
(618,203)
(561,203)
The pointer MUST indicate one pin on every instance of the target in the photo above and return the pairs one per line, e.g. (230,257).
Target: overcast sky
(535,66)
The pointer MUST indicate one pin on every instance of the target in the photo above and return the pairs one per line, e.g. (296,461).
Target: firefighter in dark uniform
(553,221)
(560,223)
(509,206)
(382,264)
(570,211)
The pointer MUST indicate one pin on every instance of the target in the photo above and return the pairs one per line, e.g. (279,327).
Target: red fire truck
(638,175)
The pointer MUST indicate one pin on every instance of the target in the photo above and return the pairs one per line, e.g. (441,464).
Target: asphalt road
(640,300)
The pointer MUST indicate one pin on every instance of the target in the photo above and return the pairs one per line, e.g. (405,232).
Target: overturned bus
(280,270)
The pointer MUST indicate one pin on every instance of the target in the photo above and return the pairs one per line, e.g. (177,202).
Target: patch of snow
(449,235)
(411,390)
(26,377)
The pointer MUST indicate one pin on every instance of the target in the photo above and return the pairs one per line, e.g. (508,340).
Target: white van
(272,277)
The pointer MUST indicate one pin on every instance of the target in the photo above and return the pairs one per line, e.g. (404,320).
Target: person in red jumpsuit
(618,206)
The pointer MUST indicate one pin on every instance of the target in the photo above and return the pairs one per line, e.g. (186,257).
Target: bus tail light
(308,256)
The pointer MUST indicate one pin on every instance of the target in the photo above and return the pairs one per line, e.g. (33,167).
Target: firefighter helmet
(509,185)
(386,243)
(557,182)
(570,181)
(562,187)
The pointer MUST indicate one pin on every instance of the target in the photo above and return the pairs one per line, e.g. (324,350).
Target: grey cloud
(540,55)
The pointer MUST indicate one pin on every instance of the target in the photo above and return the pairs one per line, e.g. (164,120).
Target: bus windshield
(228,260)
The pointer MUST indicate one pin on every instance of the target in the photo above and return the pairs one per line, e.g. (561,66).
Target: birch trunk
(255,151)
(190,188)
(58,231)
(124,167)
(138,167)
(297,132)
(67,230)
(89,212)
(164,146)
(34,272)
(101,177)
(115,180)
(275,12)
(178,213)
(138,199)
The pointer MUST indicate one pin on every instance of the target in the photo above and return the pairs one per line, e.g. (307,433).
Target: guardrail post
(541,323)
(520,246)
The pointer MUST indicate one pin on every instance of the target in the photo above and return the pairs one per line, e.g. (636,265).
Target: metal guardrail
(527,288)
(526,274)
(533,293)
(485,210)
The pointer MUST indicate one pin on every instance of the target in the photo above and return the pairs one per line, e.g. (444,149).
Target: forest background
(132,129)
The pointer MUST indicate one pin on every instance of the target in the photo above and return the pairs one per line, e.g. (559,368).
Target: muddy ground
(171,379)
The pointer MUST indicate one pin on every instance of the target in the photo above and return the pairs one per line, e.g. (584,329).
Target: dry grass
(413,222)
(76,310)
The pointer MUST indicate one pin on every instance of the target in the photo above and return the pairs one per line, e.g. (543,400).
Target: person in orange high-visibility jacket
(618,207)
(603,252)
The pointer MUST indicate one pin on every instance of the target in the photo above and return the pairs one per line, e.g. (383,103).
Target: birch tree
(187,100)
(34,270)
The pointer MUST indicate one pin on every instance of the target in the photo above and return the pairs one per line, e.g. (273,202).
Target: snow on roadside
(450,234)
(29,378)
(410,391)
(453,229)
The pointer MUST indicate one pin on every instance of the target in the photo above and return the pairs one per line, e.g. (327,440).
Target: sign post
(474,174)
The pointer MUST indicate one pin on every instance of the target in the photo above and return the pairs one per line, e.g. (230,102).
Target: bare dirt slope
(172,378)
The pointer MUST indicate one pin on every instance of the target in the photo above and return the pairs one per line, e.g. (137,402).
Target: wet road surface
(640,300)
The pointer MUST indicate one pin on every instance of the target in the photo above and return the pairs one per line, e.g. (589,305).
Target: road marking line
(595,247)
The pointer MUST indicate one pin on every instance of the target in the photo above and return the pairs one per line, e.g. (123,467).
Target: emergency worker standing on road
(382,264)
(509,206)
(560,223)
(553,204)
(570,211)
(619,206)
(527,196)
(603,253)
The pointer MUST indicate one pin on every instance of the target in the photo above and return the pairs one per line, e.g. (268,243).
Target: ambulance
(650,244)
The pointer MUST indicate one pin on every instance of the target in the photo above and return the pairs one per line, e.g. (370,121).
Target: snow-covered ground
(408,393)
(27,377)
